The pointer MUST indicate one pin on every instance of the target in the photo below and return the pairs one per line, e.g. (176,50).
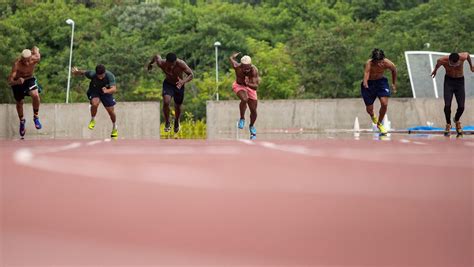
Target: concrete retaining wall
(324,114)
(134,120)
(142,119)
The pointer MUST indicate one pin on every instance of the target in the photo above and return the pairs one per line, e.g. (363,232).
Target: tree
(303,49)
(280,79)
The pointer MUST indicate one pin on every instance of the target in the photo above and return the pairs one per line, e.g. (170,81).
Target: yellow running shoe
(381,128)
(374,119)
(114,133)
(92,124)
(447,130)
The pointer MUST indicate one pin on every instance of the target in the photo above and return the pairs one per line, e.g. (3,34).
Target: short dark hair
(100,69)
(171,57)
(454,57)
(377,54)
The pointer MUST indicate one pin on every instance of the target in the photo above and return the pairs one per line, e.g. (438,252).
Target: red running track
(406,202)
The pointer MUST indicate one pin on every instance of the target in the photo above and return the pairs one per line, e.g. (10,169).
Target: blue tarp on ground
(430,128)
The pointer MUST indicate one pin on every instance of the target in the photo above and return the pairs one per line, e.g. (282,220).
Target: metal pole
(216,45)
(217,76)
(71,22)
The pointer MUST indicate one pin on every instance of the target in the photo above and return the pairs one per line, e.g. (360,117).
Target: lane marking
(91,143)
(26,155)
(379,156)
(175,174)
(289,148)
(58,149)
(156,171)
(419,143)
(245,141)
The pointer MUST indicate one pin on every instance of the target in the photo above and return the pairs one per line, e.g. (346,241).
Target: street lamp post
(216,45)
(70,22)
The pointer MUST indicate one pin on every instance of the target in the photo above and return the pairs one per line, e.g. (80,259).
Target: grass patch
(190,128)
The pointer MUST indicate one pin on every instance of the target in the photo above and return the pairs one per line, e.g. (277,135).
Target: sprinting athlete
(24,83)
(453,85)
(245,87)
(173,85)
(375,85)
(101,89)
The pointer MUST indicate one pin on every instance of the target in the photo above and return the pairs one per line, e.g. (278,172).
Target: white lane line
(349,154)
(288,148)
(91,143)
(268,145)
(404,141)
(245,141)
(178,175)
(57,149)
(174,150)
(26,155)
(285,148)
(419,143)
(469,143)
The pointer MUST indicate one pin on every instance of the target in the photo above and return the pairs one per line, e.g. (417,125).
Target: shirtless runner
(375,85)
(453,85)
(245,87)
(24,83)
(173,85)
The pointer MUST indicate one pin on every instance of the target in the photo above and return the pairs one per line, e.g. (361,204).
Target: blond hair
(26,53)
(246,60)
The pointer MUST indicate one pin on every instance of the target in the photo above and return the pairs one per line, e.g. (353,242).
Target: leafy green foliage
(277,71)
(303,49)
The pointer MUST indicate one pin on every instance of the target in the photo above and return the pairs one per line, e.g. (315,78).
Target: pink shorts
(252,94)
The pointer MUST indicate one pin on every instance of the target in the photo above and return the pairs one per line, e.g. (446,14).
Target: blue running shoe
(253,130)
(22,127)
(253,133)
(241,123)
(37,123)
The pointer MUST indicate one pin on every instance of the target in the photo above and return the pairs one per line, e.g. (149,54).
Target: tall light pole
(216,45)
(70,22)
